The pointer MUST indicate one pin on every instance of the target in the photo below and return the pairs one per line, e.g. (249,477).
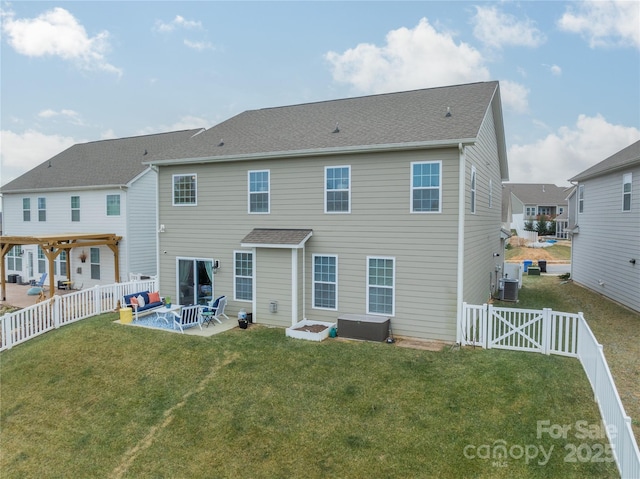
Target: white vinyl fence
(27,323)
(567,334)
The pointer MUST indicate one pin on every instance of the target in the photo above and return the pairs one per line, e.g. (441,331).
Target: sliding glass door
(194,280)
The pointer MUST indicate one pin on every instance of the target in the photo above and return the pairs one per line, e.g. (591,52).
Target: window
(531,211)
(75,208)
(473,189)
(626,192)
(185,190)
(42,209)
(26,209)
(259,191)
(337,192)
(580,198)
(113,205)
(95,263)
(560,210)
(425,187)
(42,261)
(380,285)
(243,276)
(325,282)
(14,259)
(61,262)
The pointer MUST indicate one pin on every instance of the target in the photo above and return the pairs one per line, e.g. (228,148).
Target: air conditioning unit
(509,290)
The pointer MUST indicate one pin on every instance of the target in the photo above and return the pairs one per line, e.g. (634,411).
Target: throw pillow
(154,297)
(141,302)
(133,302)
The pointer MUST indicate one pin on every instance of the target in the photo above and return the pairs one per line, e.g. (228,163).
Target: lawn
(615,327)
(98,399)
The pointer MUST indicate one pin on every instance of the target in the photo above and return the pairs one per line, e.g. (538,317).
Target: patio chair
(214,310)
(37,289)
(189,316)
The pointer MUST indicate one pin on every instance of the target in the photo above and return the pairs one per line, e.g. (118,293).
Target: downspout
(460,267)
(157,172)
(294,286)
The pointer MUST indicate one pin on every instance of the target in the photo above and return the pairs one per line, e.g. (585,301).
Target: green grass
(98,399)
(557,252)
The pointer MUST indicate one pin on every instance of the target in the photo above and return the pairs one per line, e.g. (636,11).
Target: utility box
(533,271)
(363,326)
(509,289)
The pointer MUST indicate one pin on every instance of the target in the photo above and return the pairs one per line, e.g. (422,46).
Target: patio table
(163,312)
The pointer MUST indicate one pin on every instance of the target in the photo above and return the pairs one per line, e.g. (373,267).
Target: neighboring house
(528,201)
(98,187)
(387,205)
(604,219)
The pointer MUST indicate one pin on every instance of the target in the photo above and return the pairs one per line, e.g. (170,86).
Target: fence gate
(519,329)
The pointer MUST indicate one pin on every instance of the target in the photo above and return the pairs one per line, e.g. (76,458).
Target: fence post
(483,326)
(54,307)
(489,337)
(97,302)
(546,330)
(6,330)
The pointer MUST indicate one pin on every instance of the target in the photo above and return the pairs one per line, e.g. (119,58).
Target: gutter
(318,152)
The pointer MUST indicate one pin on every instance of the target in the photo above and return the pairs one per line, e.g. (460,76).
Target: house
(604,219)
(93,203)
(384,205)
(529,201)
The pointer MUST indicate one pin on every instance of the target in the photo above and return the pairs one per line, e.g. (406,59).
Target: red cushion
(133,302)
(154,297)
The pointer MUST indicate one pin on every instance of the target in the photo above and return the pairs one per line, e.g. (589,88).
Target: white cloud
(23,151)
(570,150)
(414,58)
(556,70)
(497,29)
(178,22)
(57,33)
(199,45)
(73,116)
(514,96)
(604,23)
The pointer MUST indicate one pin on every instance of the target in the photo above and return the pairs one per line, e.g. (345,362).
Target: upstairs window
(325,282)
(259,191)
(626,192)
(473,189)
(580,198)
(113,205)
(75,208)
(337,192)
(380,285)
(42,209)
(426,181)
(185,190)
(26,209)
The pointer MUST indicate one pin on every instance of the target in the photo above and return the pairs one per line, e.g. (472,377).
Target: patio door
(194,281)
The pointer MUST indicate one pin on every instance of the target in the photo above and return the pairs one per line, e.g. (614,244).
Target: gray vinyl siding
(141,225)
(482,229)
(608,239)
(380,224)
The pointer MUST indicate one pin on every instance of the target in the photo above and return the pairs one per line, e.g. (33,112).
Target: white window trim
(580,202)
(194,176)
(313,281)
(393,288)
(26,210)
(249,192)
(630,193)
(75,209)
(42,209)
(252,277)
(411,210)
(106,205)
(326,190)
(473,187)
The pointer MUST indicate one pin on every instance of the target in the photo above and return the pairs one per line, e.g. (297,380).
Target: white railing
(567,334)
(27,323)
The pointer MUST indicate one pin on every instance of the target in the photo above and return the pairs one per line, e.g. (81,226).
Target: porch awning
(276,238)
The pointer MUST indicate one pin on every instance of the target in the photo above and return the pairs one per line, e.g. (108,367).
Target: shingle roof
(417,116)
(543,194)
(624,158)
(97,163)
(292,238)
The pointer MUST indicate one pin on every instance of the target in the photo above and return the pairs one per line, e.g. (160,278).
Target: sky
(73,72)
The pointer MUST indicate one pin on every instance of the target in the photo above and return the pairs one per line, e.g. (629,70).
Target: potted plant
(83,256)
(167,301)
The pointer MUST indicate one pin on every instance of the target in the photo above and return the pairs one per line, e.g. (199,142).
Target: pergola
(53,245)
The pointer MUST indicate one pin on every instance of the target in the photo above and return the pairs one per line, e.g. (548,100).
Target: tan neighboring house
(524,202)
(385,205)
(604,220)
(96,189)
